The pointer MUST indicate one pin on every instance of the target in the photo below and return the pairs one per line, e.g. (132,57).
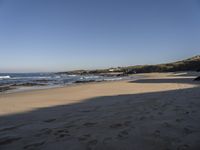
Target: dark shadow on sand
(175,80)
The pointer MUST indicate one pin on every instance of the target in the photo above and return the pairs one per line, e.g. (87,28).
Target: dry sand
(160,112)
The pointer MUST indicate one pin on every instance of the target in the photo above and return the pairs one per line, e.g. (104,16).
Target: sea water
(45,80)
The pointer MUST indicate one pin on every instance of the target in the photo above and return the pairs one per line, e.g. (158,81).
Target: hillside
(190,64)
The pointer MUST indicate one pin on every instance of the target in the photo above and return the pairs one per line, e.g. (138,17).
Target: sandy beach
(159,112)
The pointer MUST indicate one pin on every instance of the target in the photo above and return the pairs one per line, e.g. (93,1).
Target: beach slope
(158,112)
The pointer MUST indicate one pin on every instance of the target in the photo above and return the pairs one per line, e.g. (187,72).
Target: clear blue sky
(58,35)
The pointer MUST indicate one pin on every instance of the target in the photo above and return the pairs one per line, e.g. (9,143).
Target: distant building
(114,69)
(111,70)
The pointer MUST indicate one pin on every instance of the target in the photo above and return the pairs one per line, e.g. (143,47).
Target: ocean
(26,81)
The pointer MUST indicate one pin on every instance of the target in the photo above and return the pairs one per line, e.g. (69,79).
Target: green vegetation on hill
(191,64)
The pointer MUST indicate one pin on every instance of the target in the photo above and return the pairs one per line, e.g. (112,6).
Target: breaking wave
(4,77)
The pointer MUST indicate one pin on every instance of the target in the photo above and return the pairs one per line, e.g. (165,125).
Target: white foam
(31,77)
(89,77)
(113,79)
(72,75)
(4,77)
(57,77)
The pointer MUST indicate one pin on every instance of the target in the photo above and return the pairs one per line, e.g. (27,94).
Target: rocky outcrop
(197,79)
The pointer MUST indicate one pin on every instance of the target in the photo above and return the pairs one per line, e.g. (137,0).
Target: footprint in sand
(187,131)
(84,137)
(61,133)
(187,112)
(68,126)
(87,135)
(34,145)
(127,123)
(89,124)
(91,144)
(156,133)
(179,120)
(194,111)
(45,131)
(183,147)
(117,125)
(123,134)
(142,118)
(11,128)
(166,124)
(8,140)
(147,112)
(62,130)
(106,140)
(151,116)
(50,120)
(155,108)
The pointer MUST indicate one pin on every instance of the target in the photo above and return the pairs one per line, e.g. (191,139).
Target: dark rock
(5,88)
(42,81)
(30,84)
(197,79)
(86,81)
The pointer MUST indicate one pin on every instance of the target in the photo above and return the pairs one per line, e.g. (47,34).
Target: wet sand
(161,112)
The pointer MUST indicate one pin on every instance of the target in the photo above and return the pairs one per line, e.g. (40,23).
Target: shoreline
(137,77)
(21,89)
